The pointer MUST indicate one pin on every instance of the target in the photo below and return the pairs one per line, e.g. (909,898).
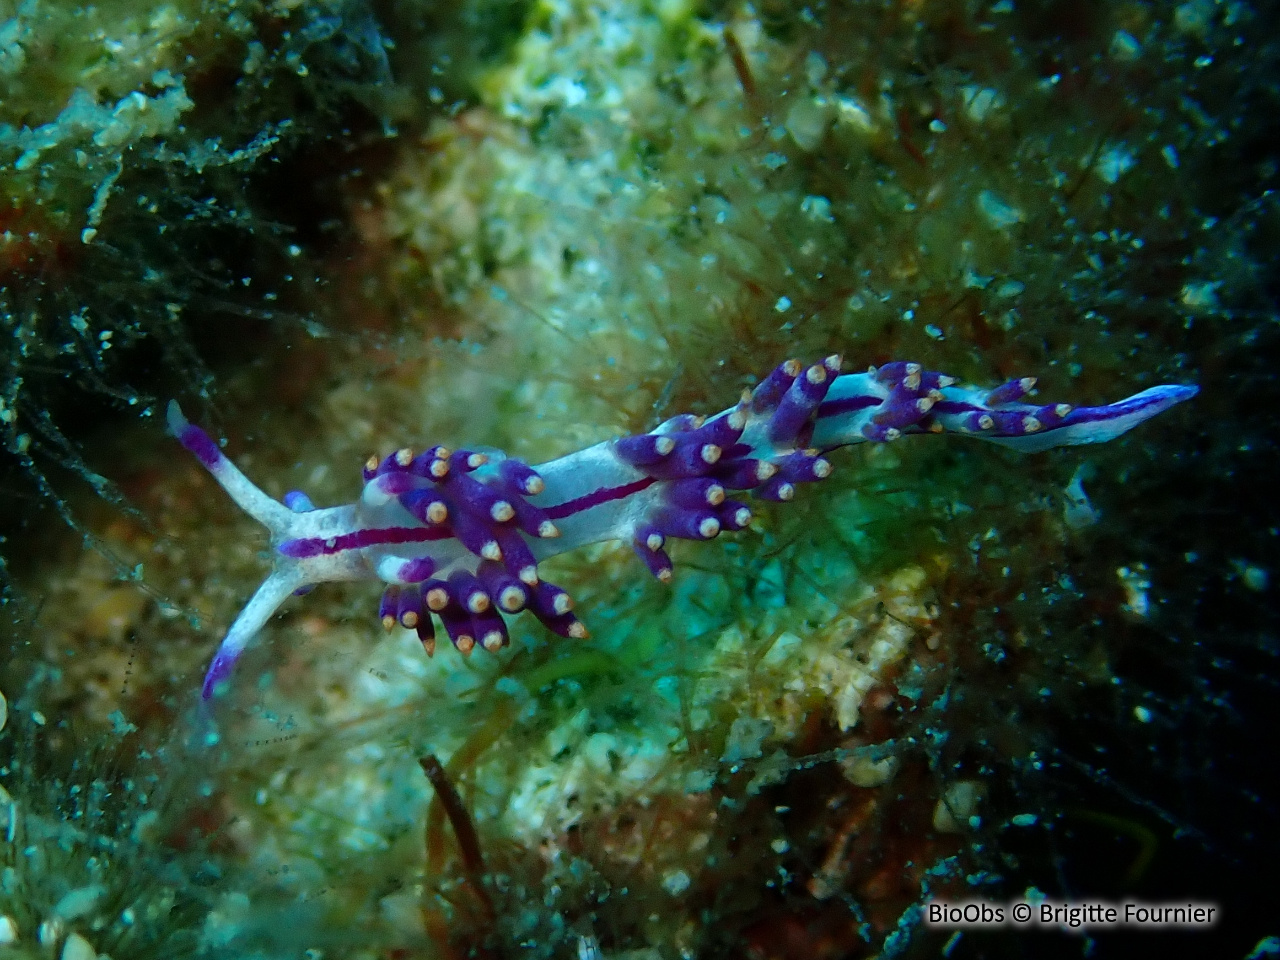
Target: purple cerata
(458,535)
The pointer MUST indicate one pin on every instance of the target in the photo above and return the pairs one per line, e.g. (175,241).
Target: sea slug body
(457,535)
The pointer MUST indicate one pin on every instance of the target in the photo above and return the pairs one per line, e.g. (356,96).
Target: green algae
(131,136)
(618,219)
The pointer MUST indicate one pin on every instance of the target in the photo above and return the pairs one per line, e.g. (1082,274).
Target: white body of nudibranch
(458,535)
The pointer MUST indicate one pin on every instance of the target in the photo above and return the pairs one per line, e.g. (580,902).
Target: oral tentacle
(271,514)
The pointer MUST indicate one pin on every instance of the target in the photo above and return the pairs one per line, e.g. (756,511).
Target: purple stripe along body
(642,490)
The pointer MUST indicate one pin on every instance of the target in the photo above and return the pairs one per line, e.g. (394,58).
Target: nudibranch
(458,535)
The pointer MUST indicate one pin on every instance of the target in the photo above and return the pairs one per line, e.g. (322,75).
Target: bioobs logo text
(963,914)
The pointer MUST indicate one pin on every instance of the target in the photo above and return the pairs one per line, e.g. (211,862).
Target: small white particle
(1114,163)
(998,213)
(1200,294)
(79,902)
(1136,584)
(78,948)
(49,933)
(817,208)
(1077,511)
(675,882)
(783,304)
(1252,576)
(851,112)
(1194,17)
(1125,47)
(980,102)
(1142,714)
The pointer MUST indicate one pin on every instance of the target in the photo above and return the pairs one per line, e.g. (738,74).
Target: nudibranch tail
(457,536)
(1098,424)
